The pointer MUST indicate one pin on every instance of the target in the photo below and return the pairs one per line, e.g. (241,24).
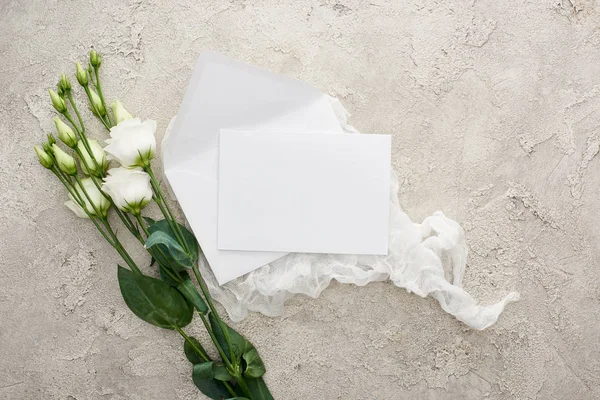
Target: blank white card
(304,192)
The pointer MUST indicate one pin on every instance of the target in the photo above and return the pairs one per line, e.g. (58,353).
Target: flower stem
(77,197)
(120,248)
(202,316)
(83,137)
(198,350)
(177,231)
(240,380)
(169,216)
(113,240)
(96,112)
(165,268)
(70,97)
(213,309)
(116,242)
(99,89)
(229,388)
(79,130)
(86,194)
(162,203)
(142,225)
(226,361)
(123,217)
(127,222)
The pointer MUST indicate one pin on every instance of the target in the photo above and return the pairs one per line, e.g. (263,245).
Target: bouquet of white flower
(94,189)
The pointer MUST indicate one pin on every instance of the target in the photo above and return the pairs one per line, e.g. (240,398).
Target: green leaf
(171,248)
(165,277)
(149,221)
(191,353)
(255,368)
(259,389)
(221,373)
(163,225)
(159,254)
(190,292)
(216,327)
(153,300)
(203,377)
(242,349)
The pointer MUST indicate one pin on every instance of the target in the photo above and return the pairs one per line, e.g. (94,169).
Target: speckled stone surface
(494,107)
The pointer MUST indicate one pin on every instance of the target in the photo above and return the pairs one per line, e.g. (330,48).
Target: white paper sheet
(223,93)
(304,192)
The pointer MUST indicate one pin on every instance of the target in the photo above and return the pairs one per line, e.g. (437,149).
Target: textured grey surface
(495,111)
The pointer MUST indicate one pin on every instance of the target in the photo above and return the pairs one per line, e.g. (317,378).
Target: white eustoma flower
(129,188)
(97,168)
(132,142)
(98,201)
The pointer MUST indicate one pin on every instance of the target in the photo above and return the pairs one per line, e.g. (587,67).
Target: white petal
(71,205)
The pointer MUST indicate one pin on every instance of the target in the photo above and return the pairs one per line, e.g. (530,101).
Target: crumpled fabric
(427,259)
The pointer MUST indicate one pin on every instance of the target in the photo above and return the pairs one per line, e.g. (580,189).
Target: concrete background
(495,111)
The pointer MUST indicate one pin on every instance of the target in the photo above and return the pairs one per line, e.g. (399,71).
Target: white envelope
(223,93)
(307,193)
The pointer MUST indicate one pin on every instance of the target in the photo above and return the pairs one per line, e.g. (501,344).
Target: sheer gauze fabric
(427,259)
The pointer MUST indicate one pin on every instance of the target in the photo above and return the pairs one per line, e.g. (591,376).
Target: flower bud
(119,112)
(64,84)
(96,164)
(95,59)
(89,192)
(97,106)
(47,148)
(44,157)
(57,102)
(51,139)
(60,92)
(81,74)
(65,162)
(65,133)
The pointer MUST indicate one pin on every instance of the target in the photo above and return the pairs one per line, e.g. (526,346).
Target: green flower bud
(44,157)
(95,59)
(65,162)
(51,139)
(119,112)
(81,75)
(47,147)
(64,84)
(57,102)
(65,133)
(98,107)
(60,92)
